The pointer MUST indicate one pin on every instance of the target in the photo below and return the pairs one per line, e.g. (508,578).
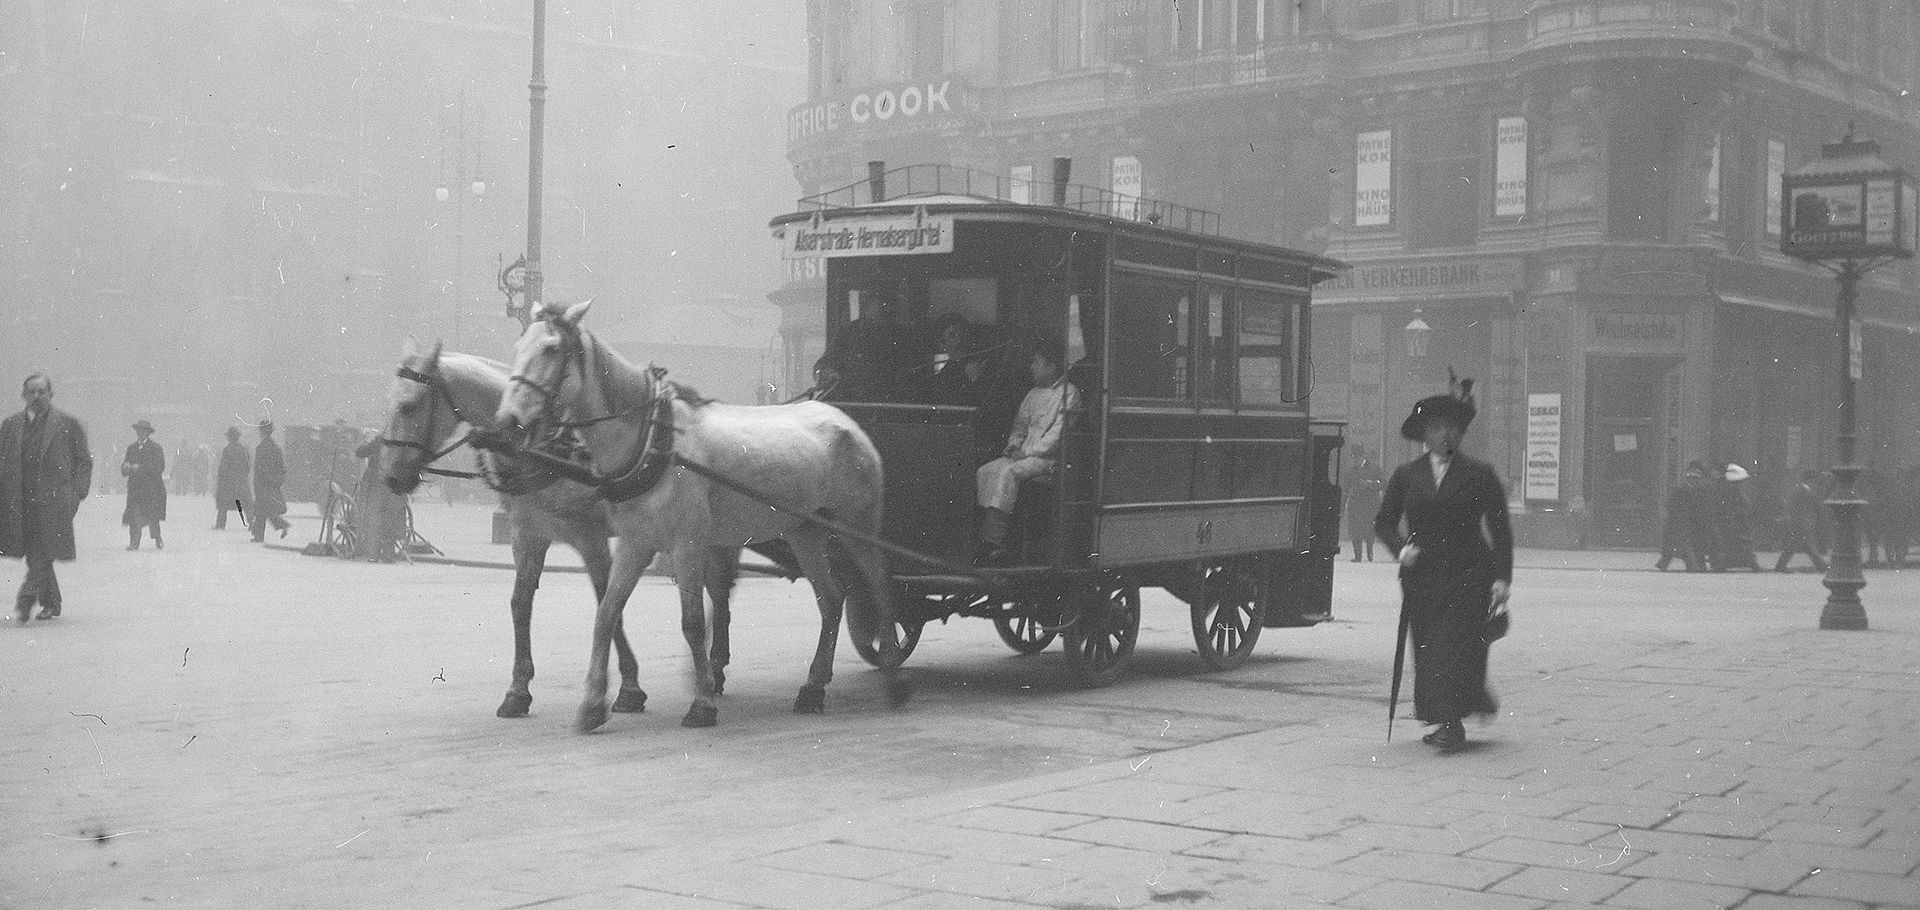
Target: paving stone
(1014,820)
(1453,871)
(1093,805)
(1280,851)
(847,860)
(1122,832)
(1717,823)
(1403,895)
(946,900)
(1820,833)
(1563,830)
(1865,887)
(1620,816)
(1829,856)
(1566,885)
(1667,894)
(1680,843)
(1796,902)
(635,898)
(1597,857)
(982,878)
(783,889)
(1445,841)
(1756,873)
(1507,804)
(971,843)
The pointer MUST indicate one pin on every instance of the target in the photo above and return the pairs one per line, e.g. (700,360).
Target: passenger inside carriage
(878,352)
(1032,449)
(961,370)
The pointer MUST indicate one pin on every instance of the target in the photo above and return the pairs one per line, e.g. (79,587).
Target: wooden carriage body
(1192,462)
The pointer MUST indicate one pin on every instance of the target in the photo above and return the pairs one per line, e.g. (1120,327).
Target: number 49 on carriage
(1187,460)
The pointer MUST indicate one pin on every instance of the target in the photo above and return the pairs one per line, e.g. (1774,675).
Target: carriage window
(1266,361)
(1214,356)
(1152,349)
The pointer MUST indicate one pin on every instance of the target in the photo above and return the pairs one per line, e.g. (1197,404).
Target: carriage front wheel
(1024,632)
(1228,613)
(1101,633)
(909,633)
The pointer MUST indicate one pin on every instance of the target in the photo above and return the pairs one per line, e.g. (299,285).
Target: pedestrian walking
(1680,537)
(1456,564)
(1364,484)
(198,463)
(1736,546)
(145,468)
(269,485)
(45,471)
(1798,524)
(230,485)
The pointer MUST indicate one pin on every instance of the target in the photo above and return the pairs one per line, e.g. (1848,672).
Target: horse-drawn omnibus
(1191,462)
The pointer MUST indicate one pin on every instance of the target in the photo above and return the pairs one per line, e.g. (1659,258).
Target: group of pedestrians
(1708,519)
(46,470)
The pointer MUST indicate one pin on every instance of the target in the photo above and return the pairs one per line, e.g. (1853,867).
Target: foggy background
(214,210)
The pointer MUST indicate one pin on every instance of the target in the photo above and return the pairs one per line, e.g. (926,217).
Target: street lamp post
(1853,208)
(536,143)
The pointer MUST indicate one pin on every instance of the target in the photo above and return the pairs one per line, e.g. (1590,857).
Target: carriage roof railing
(908,182)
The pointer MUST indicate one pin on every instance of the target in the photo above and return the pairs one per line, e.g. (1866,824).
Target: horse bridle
(439,389)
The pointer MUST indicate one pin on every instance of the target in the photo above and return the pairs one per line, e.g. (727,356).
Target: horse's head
(549,366)
(419,418)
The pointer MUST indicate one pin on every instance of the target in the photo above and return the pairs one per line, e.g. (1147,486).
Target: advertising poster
(1126,187)
(1543,446)
(1510,167)
(1373,178)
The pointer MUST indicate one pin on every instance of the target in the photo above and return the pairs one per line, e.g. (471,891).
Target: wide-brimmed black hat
(143,424)
(1432,407)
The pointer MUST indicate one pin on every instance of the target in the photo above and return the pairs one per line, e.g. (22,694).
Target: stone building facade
(1574,201)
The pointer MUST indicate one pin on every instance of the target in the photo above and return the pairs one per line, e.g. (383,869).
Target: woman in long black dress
(1456,563)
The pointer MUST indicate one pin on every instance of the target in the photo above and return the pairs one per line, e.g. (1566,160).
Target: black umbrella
(1399,659)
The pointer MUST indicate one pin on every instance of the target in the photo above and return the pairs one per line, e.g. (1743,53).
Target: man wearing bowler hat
(269,482)
(145,468)
(1456,563)
(230,484)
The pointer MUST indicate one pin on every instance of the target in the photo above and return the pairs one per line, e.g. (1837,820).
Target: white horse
(810,458)
(433,394)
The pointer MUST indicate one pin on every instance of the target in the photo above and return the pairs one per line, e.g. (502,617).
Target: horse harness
(493,477)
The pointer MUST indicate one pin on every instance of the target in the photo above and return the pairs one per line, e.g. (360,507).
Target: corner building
(1574,201)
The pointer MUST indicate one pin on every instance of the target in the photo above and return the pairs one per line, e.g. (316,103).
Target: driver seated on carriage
(877,352)
(1032,448)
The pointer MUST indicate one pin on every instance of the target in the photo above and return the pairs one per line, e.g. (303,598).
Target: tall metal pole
(1844,581)
(536,141)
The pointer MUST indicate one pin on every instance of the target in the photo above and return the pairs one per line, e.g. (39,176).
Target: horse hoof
(810,701)
(515,705)
(592,715)
(719,682)
(898,691)
(701,716)
(631,701)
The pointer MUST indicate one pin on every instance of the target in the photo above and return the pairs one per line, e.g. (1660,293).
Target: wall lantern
(1419,335)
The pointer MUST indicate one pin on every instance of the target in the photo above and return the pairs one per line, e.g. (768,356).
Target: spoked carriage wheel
(1228,613)
(1100,639)
(342,540)
(909,637)
(1024,632)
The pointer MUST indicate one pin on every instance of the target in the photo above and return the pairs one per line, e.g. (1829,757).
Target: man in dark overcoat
(1363,484)
(1456,563)
(45,471)
(145,468)
(269,485)
(231,488)
(1797,526)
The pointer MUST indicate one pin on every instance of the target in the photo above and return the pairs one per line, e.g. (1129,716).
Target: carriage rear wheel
(1228,613)
(1024,632)
(1100,639)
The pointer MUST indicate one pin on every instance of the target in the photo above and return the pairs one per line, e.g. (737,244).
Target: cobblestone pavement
(222,724)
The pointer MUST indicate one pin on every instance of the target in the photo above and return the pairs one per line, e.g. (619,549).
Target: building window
(1443,10)
(923,31)
(1152,348)
(1265,372)
(1643,145)
(1443,180)
(1376,14)
(1070,34)
(1249,25)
